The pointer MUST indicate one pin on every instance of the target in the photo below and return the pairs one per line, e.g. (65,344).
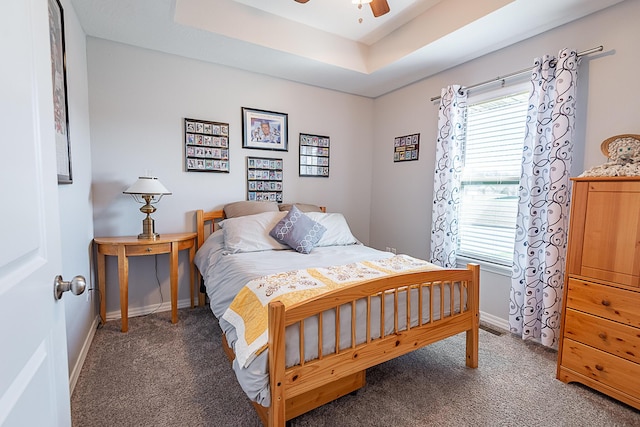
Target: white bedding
(226,273)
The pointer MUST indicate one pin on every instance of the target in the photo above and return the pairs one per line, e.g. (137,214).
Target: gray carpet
(160,374)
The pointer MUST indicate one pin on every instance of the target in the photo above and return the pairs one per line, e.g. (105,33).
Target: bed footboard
(426,307)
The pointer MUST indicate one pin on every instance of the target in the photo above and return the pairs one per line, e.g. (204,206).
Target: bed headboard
(206,223)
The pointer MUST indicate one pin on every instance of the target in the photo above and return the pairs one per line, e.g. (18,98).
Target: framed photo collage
(406,148)
(264,179)
(314,155)
(206,149)
(206,146)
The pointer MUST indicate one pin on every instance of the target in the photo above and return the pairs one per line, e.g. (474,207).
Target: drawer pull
(149,250)
(600,367)
(606,303)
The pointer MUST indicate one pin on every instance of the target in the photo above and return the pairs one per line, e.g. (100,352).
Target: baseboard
(494,321)
(142,311)
(75,372)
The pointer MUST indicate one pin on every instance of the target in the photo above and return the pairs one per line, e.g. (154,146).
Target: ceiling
(322,43)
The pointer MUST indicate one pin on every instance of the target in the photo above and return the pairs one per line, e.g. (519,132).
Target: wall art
(264,130)
(406,148)
(206,146)
(60,105)
(314,155)
(264,179)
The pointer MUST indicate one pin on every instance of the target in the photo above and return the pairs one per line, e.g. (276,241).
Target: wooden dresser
(600,333)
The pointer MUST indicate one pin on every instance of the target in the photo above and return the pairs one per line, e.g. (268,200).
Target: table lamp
(147,190)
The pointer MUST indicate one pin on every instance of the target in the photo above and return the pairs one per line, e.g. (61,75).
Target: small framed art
(406,148)
(206,146)
(264,179)
(314,155)
(60,106)
(264,130)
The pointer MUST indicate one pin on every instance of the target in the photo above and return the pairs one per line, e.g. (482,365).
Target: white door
(34,384)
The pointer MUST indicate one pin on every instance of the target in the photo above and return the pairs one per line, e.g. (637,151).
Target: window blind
(495,132)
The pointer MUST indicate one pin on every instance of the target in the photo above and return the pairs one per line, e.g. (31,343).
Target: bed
(326,314)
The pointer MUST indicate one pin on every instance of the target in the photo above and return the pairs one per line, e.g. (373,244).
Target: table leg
(123,275)
(201,300)
(174,281)
(192,271)
(102,278)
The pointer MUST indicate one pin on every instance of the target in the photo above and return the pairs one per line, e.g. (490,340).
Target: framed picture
(264,130)
(59,76)
(206,146)
(314,155)
(406,148)
(264,179)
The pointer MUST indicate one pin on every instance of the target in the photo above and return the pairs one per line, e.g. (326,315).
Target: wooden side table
(124,247)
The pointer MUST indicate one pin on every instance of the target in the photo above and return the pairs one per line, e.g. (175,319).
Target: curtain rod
(523,71)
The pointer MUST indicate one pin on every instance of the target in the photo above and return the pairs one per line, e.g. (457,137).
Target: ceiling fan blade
(379,7)
(302,1)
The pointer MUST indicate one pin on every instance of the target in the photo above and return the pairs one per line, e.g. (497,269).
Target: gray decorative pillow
(298,231)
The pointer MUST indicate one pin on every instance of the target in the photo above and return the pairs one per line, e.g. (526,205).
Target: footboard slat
(368,319)
(420,291)
(382,314)
(442,291)
(395,311)
(320,335)
(337,329)
(301,349)
(408,309)
(431,294)
(353,322)
(452,293)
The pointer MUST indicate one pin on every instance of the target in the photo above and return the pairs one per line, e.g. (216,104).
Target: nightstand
(125,247)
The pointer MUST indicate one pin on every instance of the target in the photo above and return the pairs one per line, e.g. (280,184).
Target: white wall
(608,105)
(138,100)
(76,212)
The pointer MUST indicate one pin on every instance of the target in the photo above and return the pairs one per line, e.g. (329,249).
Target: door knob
(76,286)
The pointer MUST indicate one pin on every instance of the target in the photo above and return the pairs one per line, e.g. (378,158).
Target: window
(491,175)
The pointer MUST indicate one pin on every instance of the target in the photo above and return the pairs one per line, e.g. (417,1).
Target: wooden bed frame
(310,384)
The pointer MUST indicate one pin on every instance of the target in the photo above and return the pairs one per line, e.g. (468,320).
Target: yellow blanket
(248,312)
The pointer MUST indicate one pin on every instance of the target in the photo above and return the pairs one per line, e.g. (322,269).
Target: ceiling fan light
(361,2)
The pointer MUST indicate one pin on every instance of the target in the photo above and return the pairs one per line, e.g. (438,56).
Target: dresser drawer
(601,367)
(612,337)
(159,248)
(615,304)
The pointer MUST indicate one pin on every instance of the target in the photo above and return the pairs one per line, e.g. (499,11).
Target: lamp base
(152,236)
(148,229)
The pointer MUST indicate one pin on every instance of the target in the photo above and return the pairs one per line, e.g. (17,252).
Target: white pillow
(250,233)
(338,232)
(214,242)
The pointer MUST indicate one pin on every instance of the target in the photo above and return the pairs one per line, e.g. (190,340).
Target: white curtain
(446,182)
(543,212)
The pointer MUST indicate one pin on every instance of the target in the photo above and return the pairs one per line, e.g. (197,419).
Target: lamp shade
(147,190)
(147,185)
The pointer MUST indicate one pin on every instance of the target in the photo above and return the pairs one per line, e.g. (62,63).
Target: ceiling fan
(378,7)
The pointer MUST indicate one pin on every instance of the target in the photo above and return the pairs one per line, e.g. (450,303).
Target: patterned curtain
(543,211)
(446,182)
